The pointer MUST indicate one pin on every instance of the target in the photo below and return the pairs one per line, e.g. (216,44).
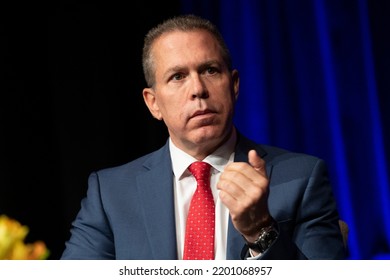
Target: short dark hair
(181,23)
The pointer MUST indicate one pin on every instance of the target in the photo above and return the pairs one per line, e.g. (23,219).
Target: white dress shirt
(185,186)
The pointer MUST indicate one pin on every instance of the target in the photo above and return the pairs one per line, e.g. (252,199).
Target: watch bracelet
(261,244)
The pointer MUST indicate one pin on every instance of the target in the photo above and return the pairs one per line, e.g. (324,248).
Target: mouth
(203,117)
(202,113)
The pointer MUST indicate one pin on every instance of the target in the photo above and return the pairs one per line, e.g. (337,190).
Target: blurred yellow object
(12,246)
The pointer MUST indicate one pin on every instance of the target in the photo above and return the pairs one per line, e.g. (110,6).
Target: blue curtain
(313,80)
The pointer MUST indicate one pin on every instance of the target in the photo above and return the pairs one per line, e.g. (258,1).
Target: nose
(198,87)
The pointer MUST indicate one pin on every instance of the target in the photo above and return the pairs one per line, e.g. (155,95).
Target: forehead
(190,45)
(181,40)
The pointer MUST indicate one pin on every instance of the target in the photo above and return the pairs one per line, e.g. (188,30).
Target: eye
(211,70)
(177,76)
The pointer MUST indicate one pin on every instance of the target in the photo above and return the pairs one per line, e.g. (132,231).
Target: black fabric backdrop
(70,103)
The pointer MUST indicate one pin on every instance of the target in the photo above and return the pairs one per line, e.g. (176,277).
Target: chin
(205,135)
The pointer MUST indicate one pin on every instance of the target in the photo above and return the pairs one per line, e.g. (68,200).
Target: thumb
(256,161)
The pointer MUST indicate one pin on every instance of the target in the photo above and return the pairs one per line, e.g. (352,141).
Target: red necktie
(199,239)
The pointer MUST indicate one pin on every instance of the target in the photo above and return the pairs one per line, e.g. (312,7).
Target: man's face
(194,93)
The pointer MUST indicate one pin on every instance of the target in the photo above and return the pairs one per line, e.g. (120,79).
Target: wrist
(264,239)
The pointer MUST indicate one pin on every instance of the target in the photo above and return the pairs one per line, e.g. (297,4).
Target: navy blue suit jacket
(128,212)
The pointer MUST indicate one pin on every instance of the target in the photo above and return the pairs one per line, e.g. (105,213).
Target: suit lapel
(235,241)
(156,189)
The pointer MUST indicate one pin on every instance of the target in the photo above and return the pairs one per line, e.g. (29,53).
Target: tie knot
(200,170)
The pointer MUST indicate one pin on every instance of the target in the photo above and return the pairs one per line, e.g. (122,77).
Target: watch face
(267,238)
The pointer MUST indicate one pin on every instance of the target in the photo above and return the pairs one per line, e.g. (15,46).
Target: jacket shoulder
(138,165)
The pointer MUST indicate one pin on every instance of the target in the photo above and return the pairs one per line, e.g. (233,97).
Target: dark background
(71,102)
(314,78)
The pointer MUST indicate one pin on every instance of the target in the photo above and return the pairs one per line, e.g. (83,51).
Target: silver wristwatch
(266,237)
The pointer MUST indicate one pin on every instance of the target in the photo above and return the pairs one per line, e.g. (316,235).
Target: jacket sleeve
(91,236)
(306,213)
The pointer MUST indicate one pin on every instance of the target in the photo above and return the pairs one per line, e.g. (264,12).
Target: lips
(203,118)
(201,112)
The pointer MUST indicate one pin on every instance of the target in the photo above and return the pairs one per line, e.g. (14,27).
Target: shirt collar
(218,159)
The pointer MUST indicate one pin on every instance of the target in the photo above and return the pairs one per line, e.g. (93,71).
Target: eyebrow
(202,66)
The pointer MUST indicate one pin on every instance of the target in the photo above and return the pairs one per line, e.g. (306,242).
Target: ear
(236,83)
(150,101)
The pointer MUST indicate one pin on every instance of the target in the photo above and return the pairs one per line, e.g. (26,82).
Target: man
(269,203)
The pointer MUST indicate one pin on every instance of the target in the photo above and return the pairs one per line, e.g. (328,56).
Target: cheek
(171,107)
(225,102)
(173,114)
